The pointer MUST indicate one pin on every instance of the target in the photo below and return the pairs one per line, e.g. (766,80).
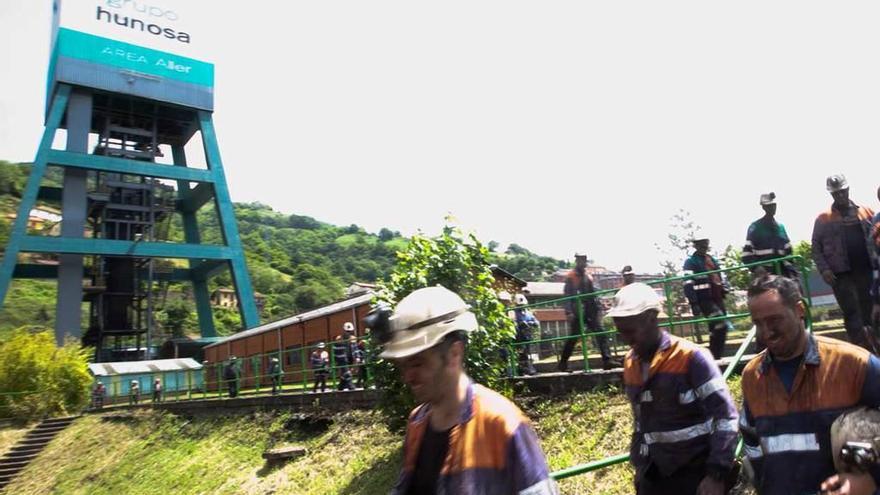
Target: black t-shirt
(856,249)
(432,453)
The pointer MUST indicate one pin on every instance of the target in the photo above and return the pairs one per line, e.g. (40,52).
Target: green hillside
(297,262)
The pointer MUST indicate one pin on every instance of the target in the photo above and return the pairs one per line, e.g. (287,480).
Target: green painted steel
(196,198)
(29,197)
(590,466)
(205,260)
(246,305)
(209,268)
(200,271)
(114,53)
(131,167)
(109,247)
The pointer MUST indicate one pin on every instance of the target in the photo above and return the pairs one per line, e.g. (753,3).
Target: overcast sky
(556,125)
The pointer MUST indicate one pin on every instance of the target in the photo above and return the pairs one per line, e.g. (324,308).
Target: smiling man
(793,392)
(463,438)
(685,421)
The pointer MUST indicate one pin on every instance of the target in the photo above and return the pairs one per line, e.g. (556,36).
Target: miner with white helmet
(767,239)
(463,438)
(685,420)
(526,325)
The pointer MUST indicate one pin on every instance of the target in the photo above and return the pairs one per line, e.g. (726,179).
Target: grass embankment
(352,453)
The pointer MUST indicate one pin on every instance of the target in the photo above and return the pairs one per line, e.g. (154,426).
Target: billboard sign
(152,49)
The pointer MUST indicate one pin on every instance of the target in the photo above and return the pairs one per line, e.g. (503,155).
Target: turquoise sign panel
(105,51)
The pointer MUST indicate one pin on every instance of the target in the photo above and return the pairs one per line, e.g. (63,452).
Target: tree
(175,315)
(385,234)
(493,246)
(739,279)
(461,264)
(682,231)
(805,250)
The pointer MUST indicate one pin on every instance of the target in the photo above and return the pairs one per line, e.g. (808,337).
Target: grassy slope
(157,453)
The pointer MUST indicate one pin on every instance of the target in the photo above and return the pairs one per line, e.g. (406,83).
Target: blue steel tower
(123,88)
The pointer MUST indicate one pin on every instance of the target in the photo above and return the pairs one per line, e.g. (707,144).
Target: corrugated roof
(308,315)
(154,366)
(544,289)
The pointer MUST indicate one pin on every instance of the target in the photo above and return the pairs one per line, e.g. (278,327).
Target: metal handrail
(672,321)
(728,372)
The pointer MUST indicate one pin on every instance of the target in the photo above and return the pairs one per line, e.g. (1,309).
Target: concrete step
(66,420)
(36,440)
(49,429)
(46,437)
(8,464)
(18,457)
(25,449)
(10,471)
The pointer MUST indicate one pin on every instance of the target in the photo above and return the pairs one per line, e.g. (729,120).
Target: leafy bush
(461,264)
(39,379)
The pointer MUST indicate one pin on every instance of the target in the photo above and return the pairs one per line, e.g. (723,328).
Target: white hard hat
(634,299)
(836,183)
(423,318)
(348,327)
(768,199)
(521,300)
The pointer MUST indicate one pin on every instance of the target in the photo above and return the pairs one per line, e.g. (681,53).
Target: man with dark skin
(792,393)
(846,256)
(875,238)
(705,292)
(767,239)
(578,281)
(685,420)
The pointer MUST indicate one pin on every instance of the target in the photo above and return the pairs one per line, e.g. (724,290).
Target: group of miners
(349,358)
(99,393)
(809,414)
(799,417)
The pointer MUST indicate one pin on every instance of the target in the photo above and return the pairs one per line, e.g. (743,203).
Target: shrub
(461,264)
(39,379)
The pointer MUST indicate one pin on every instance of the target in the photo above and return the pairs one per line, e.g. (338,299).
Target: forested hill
(296,262)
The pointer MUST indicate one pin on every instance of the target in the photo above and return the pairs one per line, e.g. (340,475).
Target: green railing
(728,372)
(674,320)
(254,377)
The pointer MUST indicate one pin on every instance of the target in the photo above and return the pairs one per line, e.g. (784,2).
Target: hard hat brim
(408,343)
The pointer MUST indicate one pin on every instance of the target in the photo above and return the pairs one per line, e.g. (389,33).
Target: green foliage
(296,262)
(461,264)
(28,302)
(526,264)
(805,250)
(12,178)
(39,379)
(175,316)
(682,231)
(739,279)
